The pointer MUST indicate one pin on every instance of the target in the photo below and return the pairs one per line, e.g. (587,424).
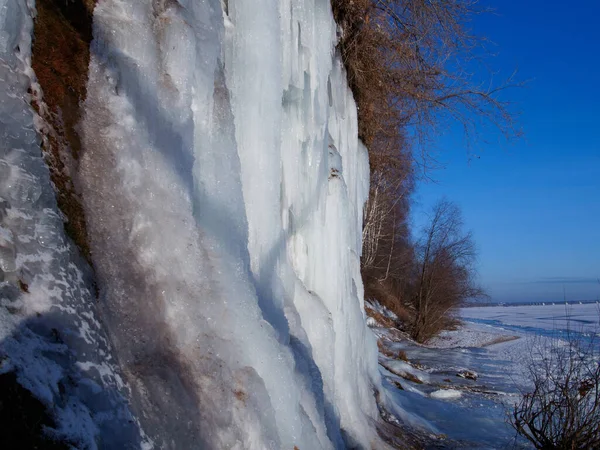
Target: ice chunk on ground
(376,306)
(446,394)
(7,251)
(48,230)
(23,187)
(405,370)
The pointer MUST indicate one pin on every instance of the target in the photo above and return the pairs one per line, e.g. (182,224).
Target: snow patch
(405,370)
(446,394)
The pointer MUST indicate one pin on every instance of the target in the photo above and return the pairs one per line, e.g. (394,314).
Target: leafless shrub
(445,258)
(562,409)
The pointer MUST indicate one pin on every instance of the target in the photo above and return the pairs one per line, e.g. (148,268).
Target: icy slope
(223,184)
(50,336)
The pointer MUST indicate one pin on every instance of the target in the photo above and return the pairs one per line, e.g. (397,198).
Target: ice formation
(446,394)
(223,184)
(50,335)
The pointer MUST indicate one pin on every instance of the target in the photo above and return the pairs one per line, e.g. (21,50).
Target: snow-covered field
(541,319)
(472,335)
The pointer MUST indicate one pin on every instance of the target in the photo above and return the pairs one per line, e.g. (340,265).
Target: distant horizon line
(531,303)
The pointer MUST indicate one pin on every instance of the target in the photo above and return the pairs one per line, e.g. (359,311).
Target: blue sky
(534,205)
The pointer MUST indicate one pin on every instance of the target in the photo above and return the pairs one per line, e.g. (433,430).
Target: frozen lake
(476,416)
(545,320)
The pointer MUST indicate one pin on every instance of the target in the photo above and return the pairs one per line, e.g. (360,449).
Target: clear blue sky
(534,206)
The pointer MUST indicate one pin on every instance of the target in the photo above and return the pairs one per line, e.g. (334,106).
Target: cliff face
(222,182)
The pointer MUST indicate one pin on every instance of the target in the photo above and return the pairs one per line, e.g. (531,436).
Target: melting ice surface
(223,184)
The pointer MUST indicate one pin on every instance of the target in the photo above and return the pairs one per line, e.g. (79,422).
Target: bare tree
(386,211)
(562,409)
(407,62)
(445,258)
(410,65)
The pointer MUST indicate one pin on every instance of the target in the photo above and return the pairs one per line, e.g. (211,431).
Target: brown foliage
(383,349)
(241,395)
(24,287)
(405,63)
(410,377)
(388,296)
(445,258)
(60,59)
(402,356)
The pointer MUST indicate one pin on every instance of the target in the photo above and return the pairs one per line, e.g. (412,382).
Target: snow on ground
(405,370)
(541,327)
(436,399)
(576,317)
(446,394)
(471,335)
(463,383)
(494,346)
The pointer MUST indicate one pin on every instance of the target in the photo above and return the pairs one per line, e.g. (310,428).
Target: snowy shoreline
(470,334)
(460,386)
